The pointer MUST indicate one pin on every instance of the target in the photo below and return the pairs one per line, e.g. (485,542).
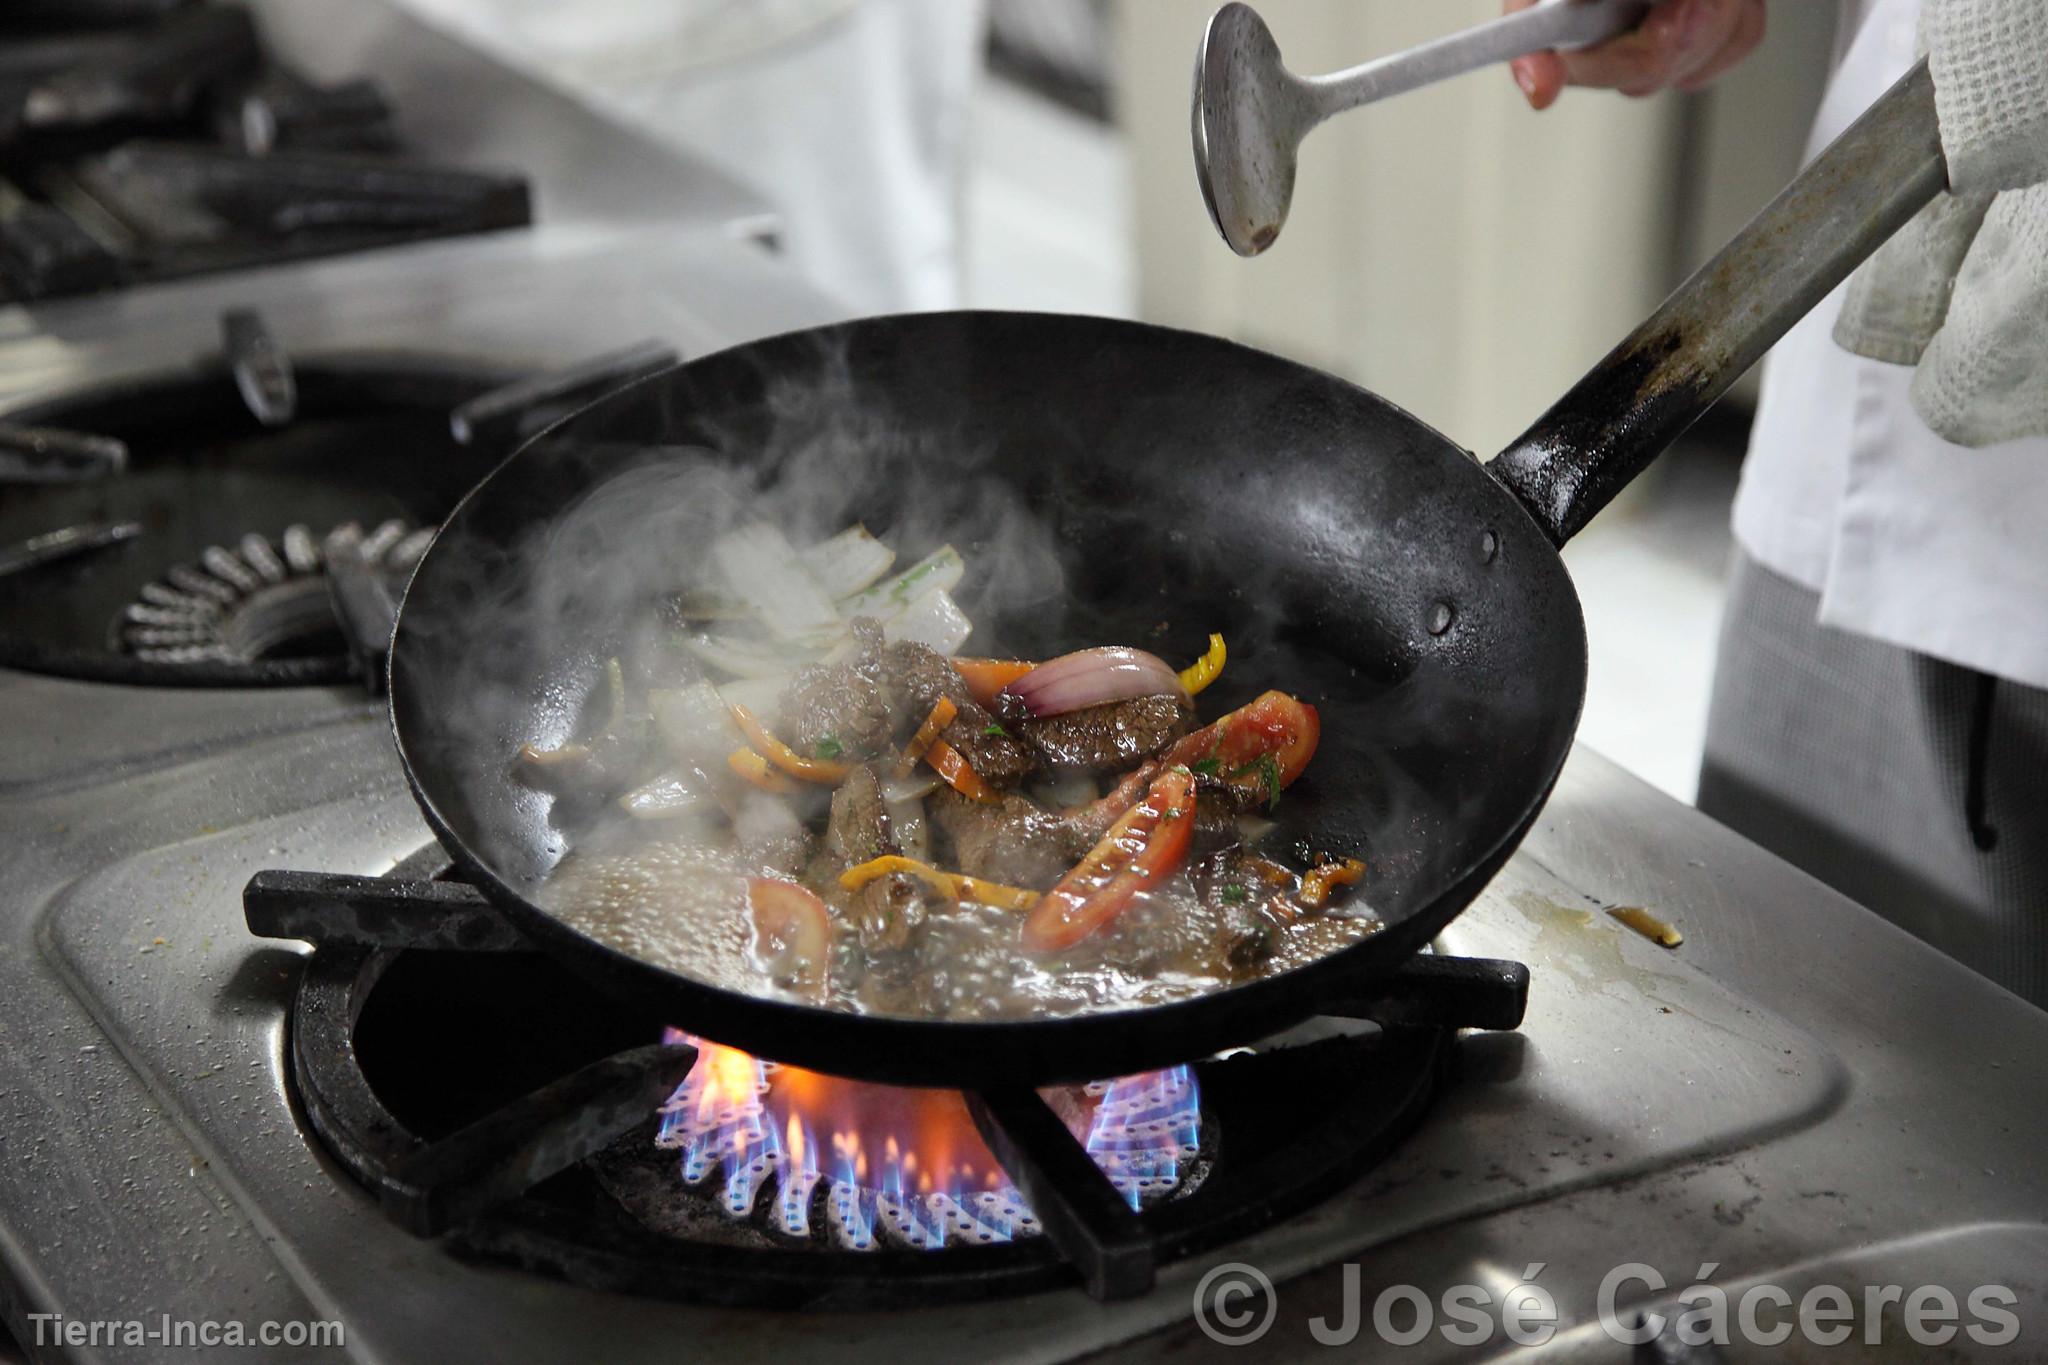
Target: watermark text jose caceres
(169,1333)
(1235,1305)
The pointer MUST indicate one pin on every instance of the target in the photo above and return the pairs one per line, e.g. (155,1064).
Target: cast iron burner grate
(538,1147)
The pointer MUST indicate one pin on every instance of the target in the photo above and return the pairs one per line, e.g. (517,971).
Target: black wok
(1352,555)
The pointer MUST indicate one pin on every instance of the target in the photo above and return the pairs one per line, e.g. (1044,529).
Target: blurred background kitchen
(1446,249)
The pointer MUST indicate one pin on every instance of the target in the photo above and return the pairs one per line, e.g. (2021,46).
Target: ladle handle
(1551,24)
(1649,389)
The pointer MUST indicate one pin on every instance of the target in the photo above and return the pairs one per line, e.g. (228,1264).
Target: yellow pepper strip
(1203,671)
(1648,925)
(943,714)
(755,769)
(952,765)
(1271,873)
(825,770)
(954,884)
(1320,881)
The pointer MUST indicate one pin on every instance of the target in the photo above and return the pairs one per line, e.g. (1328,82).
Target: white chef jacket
(1908,539)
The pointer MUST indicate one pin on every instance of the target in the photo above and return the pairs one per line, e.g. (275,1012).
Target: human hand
(1683,43)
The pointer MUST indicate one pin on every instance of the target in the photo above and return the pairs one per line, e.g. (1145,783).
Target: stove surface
(1797,1083)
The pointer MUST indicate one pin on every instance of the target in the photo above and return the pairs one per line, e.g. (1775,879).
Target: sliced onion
(762,569)
(668,797)
(934,620)
(696,722)
(921,783)
(1090,677)
(848,562)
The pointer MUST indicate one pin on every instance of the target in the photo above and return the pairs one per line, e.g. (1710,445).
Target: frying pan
(1352,555)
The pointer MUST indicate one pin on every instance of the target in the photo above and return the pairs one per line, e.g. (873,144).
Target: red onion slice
(1090,677)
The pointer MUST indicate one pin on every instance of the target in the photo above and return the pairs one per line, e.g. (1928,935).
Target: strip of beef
(847,704)
(918,677)
(1250,897)
(1011,841)
(888,909)
(1110,737)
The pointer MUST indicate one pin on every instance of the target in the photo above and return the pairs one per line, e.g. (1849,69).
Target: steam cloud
(536,615)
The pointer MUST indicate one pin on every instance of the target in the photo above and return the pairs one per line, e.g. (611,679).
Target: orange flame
(916,1152)
(922,1140)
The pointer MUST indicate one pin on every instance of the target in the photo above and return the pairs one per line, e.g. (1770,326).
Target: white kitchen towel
(1962,291)
(1990,64)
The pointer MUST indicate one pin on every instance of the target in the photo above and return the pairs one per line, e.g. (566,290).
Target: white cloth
(1962,291)
(1984,376)
(1907,538)
(1990,64)
(850,116)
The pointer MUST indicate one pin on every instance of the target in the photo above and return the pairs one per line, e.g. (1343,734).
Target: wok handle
(1649,389)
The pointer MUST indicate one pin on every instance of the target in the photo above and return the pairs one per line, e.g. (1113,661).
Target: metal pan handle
(1658,382)
(1565,25)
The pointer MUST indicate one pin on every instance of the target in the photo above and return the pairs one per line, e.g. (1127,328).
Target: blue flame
(1144,1128)
(1142,1132)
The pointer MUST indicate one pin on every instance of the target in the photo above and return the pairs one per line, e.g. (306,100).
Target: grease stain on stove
(1580,944)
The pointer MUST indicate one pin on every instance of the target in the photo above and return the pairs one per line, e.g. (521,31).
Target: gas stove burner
(569,1145)
(161,530)
(857,1166)
(261,600)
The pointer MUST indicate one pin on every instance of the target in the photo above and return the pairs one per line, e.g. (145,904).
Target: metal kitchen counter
(1798,1084)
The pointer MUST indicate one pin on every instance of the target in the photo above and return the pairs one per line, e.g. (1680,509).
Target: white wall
(1453,251)
(1448,248)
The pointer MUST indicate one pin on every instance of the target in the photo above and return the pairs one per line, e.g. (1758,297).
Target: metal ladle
(1251,112)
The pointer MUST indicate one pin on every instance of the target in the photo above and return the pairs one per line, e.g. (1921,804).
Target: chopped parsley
(1234,895)
(1209,767)
(1268,768)
(828,747)
(994,730)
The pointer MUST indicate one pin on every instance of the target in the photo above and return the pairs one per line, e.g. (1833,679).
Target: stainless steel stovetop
(1799,1094)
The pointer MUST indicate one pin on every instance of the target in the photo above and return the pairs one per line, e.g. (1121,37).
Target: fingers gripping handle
(1562,24)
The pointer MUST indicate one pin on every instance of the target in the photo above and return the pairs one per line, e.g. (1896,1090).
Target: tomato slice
(1095,817)
(792,934)
(1141,850)
(1234,749)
